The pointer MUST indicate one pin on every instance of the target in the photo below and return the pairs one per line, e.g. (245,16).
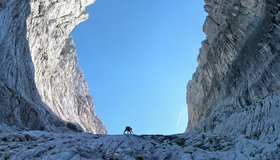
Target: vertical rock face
(20,103)
(236,88)
(40,84)
(59,81)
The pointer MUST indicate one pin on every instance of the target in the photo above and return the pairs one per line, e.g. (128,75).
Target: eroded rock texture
(59,81)
(41,86)
(233,97)
(47,145)
(235,89)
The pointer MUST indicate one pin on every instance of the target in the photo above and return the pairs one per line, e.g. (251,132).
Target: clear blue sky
(137,57)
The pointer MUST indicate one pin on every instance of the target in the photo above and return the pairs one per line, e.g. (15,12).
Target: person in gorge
(128,130)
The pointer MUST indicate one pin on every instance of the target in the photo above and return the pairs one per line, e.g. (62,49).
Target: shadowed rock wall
(236,88)
(20,103)
(39,79)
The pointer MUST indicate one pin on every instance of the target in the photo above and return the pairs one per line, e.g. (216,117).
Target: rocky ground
(75,146)
(235,90)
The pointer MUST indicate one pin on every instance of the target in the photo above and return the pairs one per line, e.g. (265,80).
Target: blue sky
(137,57)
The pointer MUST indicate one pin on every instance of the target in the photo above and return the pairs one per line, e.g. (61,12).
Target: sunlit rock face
(20,103)
(235,89)
(40,85)
(59,81)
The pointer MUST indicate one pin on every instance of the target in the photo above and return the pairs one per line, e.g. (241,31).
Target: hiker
(128,130)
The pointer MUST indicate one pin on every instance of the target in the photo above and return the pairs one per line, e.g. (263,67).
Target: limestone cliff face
(41,86)
(59,81)
(20,103)
(236,88)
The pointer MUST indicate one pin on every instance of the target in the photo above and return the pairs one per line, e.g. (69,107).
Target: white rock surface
(236,88)
(60,83)
(233,97)
(20,103)
(76,146)
(39,77)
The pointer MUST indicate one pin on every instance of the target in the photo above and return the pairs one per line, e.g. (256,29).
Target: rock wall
(41,86)
(20,103)
(236,87)
(59,81)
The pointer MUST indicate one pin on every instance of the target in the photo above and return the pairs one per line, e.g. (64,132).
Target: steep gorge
(233,98)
